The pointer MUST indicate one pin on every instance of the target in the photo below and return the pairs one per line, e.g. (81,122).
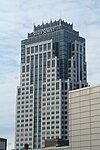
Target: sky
(16,20)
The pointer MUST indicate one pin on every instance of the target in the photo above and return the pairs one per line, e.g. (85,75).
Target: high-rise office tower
(52,62)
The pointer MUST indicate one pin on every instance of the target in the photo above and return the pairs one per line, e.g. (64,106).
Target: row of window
(26,134)
(26,139)
(50,137)
(48,132)
(26,120)
(27,83)
(23,111)
(48,103)
(23,75)
(24,125)
(36,57)
(27,106)
(52,117)
(35,49)
(24,102)
(53,98)
(50,108)
(57,87)
(26,129)
(50,127)
(49,65)
(22,144)
(48,71)
(27,97)
(48,113)
(48,122)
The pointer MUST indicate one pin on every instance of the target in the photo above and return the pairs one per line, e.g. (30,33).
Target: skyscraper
(52,63)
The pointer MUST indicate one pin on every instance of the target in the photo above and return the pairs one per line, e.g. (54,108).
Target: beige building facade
(84,118)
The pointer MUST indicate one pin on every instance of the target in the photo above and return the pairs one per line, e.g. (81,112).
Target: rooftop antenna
(50,22)
(42,24)
(33,26)
(72,25)
(60,21)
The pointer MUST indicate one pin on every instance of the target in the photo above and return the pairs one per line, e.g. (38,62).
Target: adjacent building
(84,121)
(52,63)
(3,144)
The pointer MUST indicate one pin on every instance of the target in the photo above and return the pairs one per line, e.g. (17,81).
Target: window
(52,117)
(48,64)
(48,132)
(57,132)
(44,87)
(48,127)
(23,75)
(36,49)
(57,117)
(53,79)
(52,98)
(18,116)
(28,59)
(49,46)
(52,107)
(43,128)
(48,108)
(53,63)
(18,121)
(48,113)
(57,86)
(44,104)
(31,89)
(44,94)
(48,89)
(44,99)
(52,132)
(31,96)
(23,69)
(48,103)
(53,75)
(27,68)
(49,55)
(28,50)
(32,49)
(48,71)
(44,47)
(23,80)
(52,112)
(53,93)
(40,48)
(30,129)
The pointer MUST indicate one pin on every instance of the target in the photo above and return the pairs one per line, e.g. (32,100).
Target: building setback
(52,63)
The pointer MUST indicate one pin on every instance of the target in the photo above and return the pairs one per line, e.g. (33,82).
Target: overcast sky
(16,20)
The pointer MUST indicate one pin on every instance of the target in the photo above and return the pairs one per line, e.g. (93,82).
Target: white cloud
(16,20)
